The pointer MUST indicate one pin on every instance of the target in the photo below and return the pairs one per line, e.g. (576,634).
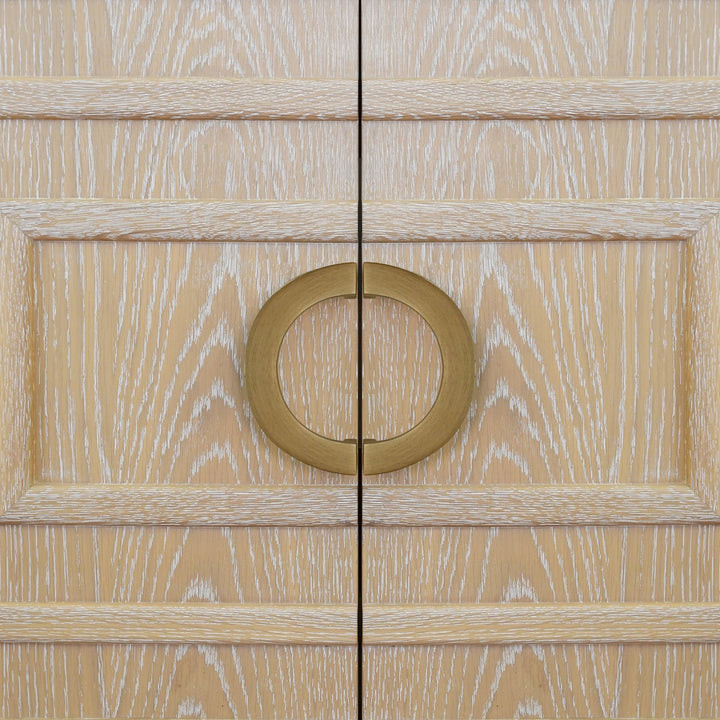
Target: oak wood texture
(127,323)
(512,98)
(520,622)
(473,187)
(169,99)
(188,622)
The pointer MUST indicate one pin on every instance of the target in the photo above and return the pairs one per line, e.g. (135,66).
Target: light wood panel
(274,565)
(578,376)
(540,160)
(205,64)
(543,681)
(554,38)
(179,160)
(175,681)
(542,564)
(208,38)
(500,69)
(158,396)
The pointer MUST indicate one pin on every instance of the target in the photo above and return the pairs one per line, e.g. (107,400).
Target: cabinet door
(548,165)
(159,556)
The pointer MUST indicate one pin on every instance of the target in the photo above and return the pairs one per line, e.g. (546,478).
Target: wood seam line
(545,99)
(541,623)
(210,505)
(439,505)
(385,624)
(383,99)
(399,221)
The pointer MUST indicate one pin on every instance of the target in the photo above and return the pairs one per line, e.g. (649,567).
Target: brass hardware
(430,434)
(261,362)
(458,368)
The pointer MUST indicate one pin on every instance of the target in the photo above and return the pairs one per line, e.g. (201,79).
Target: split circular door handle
(430,434)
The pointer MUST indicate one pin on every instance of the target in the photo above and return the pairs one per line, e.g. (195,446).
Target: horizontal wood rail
(508,505)
(573,98)
(227,624)
(219,505)
(510,623)
(66,98)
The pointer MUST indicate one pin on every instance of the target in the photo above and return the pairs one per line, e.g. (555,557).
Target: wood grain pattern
(447,161)
(615,564)
(17,353)
(543,681)
(170,99)
(514,64)
(175,56)
(621,504)
(179,160)
(206,39)
(580,98)
(535,221)
(578,376)
(211,623)
(703,357)
(176,681)
(554,38)
(158,396)
(519,622)
(176,504)
(266,565)
(184,221)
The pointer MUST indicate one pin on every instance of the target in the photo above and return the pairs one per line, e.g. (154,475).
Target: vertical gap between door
(360,384)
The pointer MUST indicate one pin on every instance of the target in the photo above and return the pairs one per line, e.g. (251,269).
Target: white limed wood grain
(266,565)
(176,681)
(158,396)
(578,377)
(220,505)
(543,681)
(553,38)
(594,504)
(179,160)
(519,622)
(581,98)
(610,564)
(169,99)
(537,221)
(236,160)
(17,361)
(214,623)
(206,39)
(540,160)
(184,221)
(703,357)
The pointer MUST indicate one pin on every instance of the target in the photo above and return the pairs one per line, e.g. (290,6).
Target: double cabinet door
(169,168)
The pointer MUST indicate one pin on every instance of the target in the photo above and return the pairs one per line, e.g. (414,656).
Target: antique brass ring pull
(430,434)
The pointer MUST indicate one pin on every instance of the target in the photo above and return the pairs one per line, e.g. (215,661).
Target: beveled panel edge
(540,623)
(702,357)
(208,505)
(184,220)
(201,98)
(532,505)
(173,623)
(535,220)
(580,98)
